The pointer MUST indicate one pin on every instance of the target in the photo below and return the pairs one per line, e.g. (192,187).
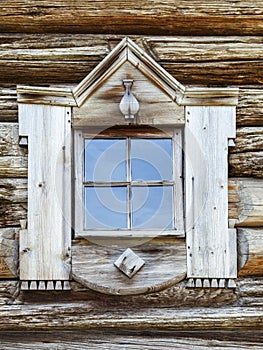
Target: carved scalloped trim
(211,283)
(45,285)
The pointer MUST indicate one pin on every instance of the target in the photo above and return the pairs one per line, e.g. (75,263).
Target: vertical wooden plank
(210,251)
(178,177)
(45,246)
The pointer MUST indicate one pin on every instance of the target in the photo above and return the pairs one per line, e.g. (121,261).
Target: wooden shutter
(211,244)
(45,246)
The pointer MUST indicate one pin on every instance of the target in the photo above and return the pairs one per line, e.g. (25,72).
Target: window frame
(174,133)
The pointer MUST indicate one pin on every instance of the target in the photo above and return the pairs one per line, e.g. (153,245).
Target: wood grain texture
(153,17)
(207,130)
(250,292)
(250,251)
(93,265)
(110,340)
(249,110)
(8,253)
(248,139)
(68,58)
(45,245)
(246,201)
(11,214)
(248,164)
(156,108)
(76,315)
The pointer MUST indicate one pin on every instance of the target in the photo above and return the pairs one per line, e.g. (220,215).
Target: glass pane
(105,160)
(152,207)
(151,159)
(106,207)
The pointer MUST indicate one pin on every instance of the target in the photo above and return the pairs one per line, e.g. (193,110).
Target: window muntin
(136,176)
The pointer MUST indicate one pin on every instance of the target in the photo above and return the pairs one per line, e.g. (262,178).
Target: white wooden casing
(211,245)
(45,247)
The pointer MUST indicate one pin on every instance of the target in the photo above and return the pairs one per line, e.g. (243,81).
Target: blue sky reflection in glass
(106,207)
(149,162)
(151,159)
(105,160)
(153,210)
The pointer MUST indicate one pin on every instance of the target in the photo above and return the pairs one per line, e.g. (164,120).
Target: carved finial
(129,105)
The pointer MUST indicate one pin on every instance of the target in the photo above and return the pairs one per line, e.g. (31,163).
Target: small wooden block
(42,285)
(58,285)
(190,283)
(206,283)
(222,283)
(198,283)
(66,285)
(214,283)
(50,285)
(129,263)
(33,285)
(231,284)
(24,285)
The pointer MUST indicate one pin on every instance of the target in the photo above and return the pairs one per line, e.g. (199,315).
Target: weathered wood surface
(93,265)
(65,58)
(250,244)
(206,193)
(248,139)
(8,253)
(250,291)
(246,158)
(246,201)
(8,104)
(48,130)
(249,110)
(76,316)
(9,291)
(87,340)
(152,17)
(248,164)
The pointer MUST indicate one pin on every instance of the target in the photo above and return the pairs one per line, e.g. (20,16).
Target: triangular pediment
(127,52)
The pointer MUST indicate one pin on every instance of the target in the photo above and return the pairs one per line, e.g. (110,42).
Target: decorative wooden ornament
(129,105)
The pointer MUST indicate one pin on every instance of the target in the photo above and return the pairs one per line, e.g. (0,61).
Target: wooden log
(246,164)
(250,291)
(76,316)
(11,214)
(246,201)
(8,252)
(80,339)
(249,109)
(13,190)
(28,59)
(154,17)
(250,247)
(248,139)
(9,141)
(8,104)
(9,290)
(13,166)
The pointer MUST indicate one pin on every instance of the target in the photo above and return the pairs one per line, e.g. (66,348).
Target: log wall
(201,43)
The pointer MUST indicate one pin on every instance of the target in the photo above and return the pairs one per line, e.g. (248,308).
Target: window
(207,118)
(128,182)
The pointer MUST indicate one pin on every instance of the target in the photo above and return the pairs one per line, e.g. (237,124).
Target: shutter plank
(45,245)
(210,245)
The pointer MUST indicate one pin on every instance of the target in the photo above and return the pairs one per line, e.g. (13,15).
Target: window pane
(105,160)
(152,207)
(151,159)
(106,207)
